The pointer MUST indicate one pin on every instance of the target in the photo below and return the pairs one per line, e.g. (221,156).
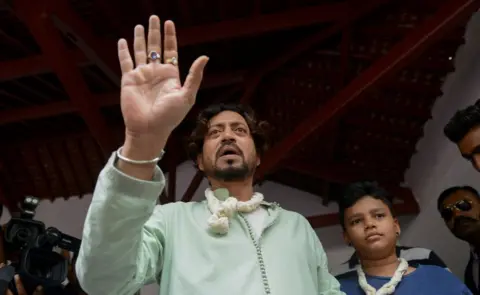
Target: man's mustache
(231,145)
(461,221)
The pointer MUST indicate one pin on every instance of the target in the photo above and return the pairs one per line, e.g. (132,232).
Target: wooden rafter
(192,188)
(101,48)
(409,205)
(275,63)
(33,14)
(260,24)
(109,99)
(172,162)
(34,65)
(354,13)
(413,44)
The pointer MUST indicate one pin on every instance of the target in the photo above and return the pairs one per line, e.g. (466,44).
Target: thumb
(194,78)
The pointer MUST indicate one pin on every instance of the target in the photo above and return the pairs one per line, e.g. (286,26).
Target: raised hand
(153,99)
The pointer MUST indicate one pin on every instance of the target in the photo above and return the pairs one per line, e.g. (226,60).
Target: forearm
(118,253)
(140,148)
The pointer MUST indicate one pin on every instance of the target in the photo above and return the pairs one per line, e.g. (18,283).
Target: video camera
(38,263)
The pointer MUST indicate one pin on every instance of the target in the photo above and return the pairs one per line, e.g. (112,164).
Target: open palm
(153,100)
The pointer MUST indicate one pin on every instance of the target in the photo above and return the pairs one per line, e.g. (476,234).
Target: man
(459,207)
(233,242)
(371,227)
(463,129)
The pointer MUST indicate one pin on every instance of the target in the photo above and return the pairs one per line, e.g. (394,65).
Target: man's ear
(398,230)
(258,161)
(346,239)
(200,162)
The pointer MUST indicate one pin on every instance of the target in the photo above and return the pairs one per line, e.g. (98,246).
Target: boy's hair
(357,191)
(451,190)
(462,122)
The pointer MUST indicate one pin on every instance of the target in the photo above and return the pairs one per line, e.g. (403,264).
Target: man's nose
(228,136)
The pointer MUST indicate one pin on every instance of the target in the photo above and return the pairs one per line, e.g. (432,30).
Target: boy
(371,227)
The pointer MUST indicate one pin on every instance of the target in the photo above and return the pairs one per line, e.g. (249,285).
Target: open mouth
(229,151)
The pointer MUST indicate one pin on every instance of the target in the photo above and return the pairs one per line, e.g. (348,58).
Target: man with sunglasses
(459,207)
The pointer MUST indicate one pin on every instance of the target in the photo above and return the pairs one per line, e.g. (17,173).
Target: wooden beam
(33,14)
(413,44)
(99,49)
(343,173)
(102,100)
(173,146)
(273,64)
(192,188)
(297,49)
(409,205)
(34,65)
(263,23)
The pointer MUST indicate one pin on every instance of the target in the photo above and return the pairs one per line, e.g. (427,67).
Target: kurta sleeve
(327,283)
(123,235)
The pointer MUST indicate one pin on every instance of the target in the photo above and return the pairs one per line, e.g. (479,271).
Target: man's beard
(232,173)
(467,229)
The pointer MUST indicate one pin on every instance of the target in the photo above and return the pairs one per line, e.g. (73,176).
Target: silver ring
(153,56)
(173,61)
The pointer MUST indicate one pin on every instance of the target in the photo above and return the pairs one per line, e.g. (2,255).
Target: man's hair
(259,130)
(462,122)
(451,190)
(357,191)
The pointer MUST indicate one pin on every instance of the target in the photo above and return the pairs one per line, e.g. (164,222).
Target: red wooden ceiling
(348,86)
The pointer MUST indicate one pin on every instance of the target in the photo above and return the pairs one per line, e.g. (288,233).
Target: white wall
(438,164)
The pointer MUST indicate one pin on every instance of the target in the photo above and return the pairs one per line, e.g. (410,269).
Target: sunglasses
(462,205)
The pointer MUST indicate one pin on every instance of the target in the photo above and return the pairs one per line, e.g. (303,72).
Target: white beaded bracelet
(137,162)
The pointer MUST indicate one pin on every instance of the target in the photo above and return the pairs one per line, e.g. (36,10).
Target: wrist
(143,147)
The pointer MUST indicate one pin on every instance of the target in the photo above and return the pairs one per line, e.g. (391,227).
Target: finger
(194,78)
(18,283)
(154,36)
(139,46)
(38,291)
(124,57)
(170,49)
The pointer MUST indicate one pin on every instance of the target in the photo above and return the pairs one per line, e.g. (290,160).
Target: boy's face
(371,228)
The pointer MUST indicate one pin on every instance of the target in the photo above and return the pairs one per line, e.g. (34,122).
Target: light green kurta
(129,241)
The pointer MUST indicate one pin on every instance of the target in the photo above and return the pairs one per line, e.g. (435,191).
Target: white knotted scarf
(388,288)
(223,207)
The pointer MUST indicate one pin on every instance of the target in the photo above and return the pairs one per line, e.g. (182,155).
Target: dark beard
(232,173)
(467,229)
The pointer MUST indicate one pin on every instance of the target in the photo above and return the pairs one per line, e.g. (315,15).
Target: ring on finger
(173,61)
(154,56)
